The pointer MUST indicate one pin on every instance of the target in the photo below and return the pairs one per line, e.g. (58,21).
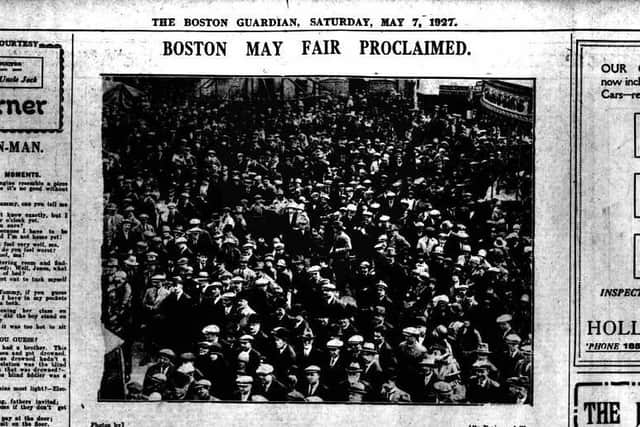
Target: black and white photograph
(318,239)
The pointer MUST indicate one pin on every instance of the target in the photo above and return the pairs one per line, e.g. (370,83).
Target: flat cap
(355,339)
(442,387)
(203,383)
(512,339)
(334,343)
(211,329)
(265,369)
(504,318)
(167,352)
(244,379)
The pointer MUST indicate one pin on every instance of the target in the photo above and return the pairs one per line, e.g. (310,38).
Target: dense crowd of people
(330,248)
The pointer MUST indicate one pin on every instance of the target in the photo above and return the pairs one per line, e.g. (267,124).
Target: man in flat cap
(156,383)
(444,392)
(510,357)
(202,391)
(245,349)
(353,378)
(307,352)
(334,365)
(482,389)
(268,386)
(282,354)
(390,392)
(517,390)
(312,386)
(422,389)
(165,365)
(410,352)
(261,341)
(372,372)
(244,388)
(134,391)
(504,329)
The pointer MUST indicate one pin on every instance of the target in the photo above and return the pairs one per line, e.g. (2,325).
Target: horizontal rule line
(323,30)
(612,351)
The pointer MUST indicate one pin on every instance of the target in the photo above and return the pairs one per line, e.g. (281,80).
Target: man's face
(344,323)
(378,338)
(244,388)
(518,391)
(179,392)
(202,392)
(354,348)
(378,319)
(280,343)
(313,377)
(368,357)
(134,395)
(265,379)
(355,397)
(211,337)
(244,345)
(387,386)
(254,328)
(323,321)
(482,374)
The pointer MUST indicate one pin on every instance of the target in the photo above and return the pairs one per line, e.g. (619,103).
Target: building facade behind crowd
(333,248)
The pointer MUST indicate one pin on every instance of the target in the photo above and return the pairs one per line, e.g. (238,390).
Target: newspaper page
(319,213)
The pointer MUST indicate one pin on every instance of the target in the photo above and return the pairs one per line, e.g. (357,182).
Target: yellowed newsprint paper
(319,213)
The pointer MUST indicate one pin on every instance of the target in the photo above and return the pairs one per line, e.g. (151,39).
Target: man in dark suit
(312,387)
(177,309)
(371,370)
(307,353)
(261,341)
(165,365)
(254,358)
(283,356)
(334,364)
(268,386)
(386,354)
(244,389)
(509,359)
(422,389)
(483,389)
